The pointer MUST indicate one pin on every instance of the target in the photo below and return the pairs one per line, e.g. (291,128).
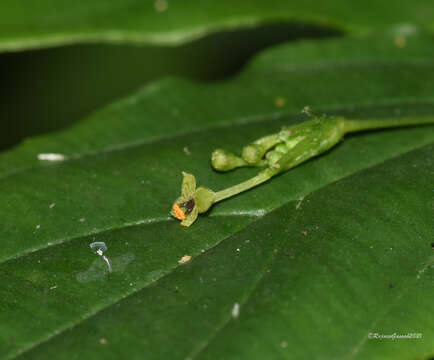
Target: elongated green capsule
(307,140)
(222,160)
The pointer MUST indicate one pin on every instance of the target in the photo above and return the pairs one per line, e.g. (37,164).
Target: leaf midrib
(124,296)
(246,298)
(275,116)
(270,117)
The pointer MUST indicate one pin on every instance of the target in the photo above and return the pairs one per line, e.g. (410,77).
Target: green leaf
(87,85)
(317,258)
(41,23)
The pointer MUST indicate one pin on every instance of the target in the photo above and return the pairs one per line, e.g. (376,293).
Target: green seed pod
(222,160)
(312,138)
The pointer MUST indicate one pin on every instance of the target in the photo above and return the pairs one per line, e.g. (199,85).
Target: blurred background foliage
(48,89)
(86,55)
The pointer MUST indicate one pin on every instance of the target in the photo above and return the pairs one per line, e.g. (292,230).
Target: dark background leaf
(32,103)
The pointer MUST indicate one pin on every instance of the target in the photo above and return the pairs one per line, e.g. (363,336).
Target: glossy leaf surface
(317,258)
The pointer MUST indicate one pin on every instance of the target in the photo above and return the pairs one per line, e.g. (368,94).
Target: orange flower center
(179,214)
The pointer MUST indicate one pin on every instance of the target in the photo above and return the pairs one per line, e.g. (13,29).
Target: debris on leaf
(100,248)
(184,259)
(236,310)
(51,157)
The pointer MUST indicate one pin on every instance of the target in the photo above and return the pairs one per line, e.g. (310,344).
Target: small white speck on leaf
(236,310)
(184,259)
(103,341)
(186,150)
(51,157)
(52,205)
(306,110)
(82,220)
(38,226)
(300,200)
(53,287)
(100,248)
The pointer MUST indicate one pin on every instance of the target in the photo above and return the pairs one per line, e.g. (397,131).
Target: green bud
(253,154)
(274,156)
(222,160)
(282,148)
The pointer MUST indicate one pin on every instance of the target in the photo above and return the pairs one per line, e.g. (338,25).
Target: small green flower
(192,201)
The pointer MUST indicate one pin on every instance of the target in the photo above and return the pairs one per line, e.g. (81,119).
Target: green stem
(246,185)
(363,125)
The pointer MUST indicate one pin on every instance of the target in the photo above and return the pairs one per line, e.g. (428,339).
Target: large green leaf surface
(376,71)
(39,23)
(317,259)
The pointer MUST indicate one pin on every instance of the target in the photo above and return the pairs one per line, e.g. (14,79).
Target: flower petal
(188,185)
(190,218)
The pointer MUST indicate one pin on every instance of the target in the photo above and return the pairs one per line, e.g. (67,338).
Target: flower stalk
(279,152)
